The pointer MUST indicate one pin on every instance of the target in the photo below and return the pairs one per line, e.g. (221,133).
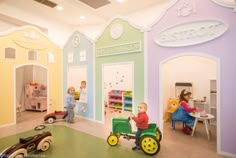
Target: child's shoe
(186,130)
(136,148)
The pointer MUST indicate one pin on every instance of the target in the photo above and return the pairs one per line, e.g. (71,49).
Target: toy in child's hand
(57,115)
(40,141)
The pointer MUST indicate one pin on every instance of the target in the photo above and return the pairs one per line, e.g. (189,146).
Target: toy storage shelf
(213,101)
(127,97)
(35,97)
(115,99)
(120,99)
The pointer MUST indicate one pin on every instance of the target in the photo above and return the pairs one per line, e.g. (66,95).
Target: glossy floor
(174,143)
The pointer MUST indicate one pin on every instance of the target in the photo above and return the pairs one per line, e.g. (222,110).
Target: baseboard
(101,122)
(6,125)
(227,154)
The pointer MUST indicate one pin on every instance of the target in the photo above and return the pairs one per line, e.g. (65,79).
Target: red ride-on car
(57,115)
(40,141)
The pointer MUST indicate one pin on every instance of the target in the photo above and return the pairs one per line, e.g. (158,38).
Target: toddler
(141,122)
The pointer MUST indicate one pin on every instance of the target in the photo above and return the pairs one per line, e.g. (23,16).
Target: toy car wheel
(149,145)
(112,140)
(159,134)
(50,120)
(39,127)
(45,146)
(19,156)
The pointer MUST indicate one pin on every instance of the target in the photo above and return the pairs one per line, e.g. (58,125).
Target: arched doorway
(30,92)
(203,72)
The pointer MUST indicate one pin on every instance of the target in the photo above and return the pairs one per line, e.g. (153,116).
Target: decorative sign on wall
(76,40)
(119,49)
(191,33)
(226,3)
(187,8)
(31,35)
(116,30)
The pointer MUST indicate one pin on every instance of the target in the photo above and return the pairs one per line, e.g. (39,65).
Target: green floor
(69,143)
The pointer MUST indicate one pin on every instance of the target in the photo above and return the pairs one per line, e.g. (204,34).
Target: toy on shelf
(150,138)
(40,141)
(57,115)
(35,96)
(115,99)
(128,100)
(120,100)
(173,104)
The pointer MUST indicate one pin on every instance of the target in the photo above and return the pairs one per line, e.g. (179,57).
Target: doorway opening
(77,74)
(117,90)
(31,92)
(202,73)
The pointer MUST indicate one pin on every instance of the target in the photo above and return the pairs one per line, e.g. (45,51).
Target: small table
(205,120)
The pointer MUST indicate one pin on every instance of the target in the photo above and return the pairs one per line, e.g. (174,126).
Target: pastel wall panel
(25,39)
(219,46)
(119,43)
(78,58)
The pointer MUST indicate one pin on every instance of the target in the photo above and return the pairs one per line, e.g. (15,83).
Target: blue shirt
(70,100)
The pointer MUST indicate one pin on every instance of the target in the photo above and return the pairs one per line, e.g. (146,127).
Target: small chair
(174,121)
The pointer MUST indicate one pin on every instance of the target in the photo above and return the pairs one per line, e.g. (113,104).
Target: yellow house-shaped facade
(28,46)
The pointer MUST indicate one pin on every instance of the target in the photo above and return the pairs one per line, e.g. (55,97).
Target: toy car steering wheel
(39,127)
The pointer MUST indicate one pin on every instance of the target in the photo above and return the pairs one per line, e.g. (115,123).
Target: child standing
(70,104)
(141,123)
(83,97)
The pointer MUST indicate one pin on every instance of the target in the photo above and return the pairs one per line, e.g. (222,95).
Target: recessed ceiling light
(82,17)
(59,7)
(120,1)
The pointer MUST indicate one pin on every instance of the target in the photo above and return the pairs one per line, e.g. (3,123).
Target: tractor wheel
(50,120)
(45,146)
(149,145)
(112,140)
(159,134)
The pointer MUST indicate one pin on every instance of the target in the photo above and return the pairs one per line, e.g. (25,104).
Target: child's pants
(137,136)
(82,107)
(70,111)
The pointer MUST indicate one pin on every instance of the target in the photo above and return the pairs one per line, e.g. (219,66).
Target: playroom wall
(117,77)
(130,34)
(33,40)
(194,69)
(221,48)
(75,44)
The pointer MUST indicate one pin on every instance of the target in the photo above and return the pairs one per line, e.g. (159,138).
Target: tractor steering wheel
(129,118)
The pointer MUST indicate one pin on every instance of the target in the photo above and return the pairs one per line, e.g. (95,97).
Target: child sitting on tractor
(141,122)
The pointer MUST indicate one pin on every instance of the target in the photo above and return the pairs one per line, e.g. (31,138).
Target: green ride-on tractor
(149,139)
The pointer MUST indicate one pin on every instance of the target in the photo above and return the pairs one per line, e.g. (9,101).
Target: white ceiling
(61,24)
(73,9)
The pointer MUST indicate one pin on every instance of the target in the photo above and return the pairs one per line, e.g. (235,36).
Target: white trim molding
(14,87)
(217,60)
(133,82)
(226,3)
(139,27)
